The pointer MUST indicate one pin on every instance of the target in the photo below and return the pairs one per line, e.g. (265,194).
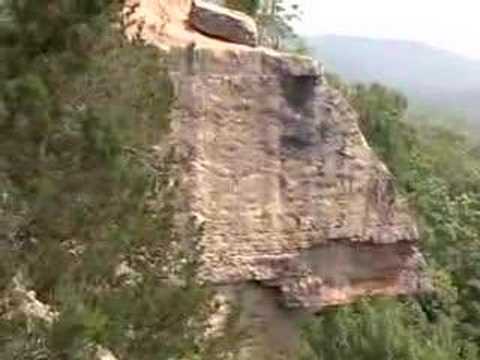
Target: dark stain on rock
(299,91)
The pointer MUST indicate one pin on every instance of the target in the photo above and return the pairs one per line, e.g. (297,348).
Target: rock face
(298,212)
(292,198)
(225,24)
(291,195)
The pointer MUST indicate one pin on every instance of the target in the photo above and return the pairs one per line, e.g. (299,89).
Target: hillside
(175,185)
(431,76)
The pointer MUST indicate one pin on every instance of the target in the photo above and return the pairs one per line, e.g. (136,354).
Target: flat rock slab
(229,25)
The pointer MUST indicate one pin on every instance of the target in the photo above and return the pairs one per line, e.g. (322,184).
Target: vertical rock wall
(291,195)
(298,212)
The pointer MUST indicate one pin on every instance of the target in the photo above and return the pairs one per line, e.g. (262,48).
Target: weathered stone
(292,197)
(287,186)
(25,302)
(222,23)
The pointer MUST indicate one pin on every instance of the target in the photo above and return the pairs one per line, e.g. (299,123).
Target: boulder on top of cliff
(229,25)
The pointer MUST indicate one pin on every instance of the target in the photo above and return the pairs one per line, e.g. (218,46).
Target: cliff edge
(298,211)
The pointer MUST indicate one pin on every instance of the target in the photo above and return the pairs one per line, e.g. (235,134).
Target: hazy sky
(450,24)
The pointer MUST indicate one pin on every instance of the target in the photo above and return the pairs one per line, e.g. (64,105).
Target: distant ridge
(432,76)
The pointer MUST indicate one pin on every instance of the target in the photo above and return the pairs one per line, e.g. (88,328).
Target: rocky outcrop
(298,212)
(225,24)
(23,302)
(20,302)
(290,193)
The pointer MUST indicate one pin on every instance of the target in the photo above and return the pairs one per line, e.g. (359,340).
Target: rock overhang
(278,181)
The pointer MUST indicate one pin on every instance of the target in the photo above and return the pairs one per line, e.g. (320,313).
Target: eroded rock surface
(291,195)
(298,212)
(24,302)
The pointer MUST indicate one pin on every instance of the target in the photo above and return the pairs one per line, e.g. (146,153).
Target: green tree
(274,20)
(275,23)
(383,330)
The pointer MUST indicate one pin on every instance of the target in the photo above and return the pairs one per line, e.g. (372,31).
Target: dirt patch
(164,24)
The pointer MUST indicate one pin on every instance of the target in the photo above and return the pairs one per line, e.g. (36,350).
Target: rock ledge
(222,23)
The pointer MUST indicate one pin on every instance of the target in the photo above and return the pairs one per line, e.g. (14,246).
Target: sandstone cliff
(298,211)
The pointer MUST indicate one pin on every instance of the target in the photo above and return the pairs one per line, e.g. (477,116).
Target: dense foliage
(87,206)
(438,171)
(384,330)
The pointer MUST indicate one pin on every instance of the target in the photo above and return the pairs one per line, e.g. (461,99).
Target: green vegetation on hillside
(87,208)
